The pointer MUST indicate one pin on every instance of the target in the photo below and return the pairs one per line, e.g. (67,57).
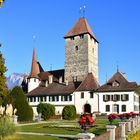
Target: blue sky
(116,24)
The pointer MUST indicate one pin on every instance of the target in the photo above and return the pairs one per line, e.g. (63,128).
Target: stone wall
(81,57)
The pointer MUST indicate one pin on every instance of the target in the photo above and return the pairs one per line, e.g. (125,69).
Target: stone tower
(81,52)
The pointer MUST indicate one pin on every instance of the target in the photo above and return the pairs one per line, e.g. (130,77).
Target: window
(76,48)
(116,97)
(45,98)
(66,98)
(41,99)
(82,94)
(107,108)
(34,99)
(38,99)
(125,97)
(72,38)
(70,98)
(106,98)
(123,108)
(31,99)
(115,84)
(53,98)
(91,95)
(82,36)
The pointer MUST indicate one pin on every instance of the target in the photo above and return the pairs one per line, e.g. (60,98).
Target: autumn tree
(2,78)
(1,3)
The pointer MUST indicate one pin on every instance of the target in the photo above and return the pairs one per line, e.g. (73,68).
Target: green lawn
(30,137)
(58,128)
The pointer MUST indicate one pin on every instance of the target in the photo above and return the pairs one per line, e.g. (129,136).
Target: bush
(6,127)
(69,112)
(24,111)
(46,110)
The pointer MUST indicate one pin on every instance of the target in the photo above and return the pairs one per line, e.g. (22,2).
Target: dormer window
(115,84)
(82,36)
(72,38)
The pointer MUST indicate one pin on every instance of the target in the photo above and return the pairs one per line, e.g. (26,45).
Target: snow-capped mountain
(15,79)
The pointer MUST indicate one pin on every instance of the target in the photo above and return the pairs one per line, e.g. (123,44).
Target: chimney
(124,74)
(46,83)
(67,82)
(50,79)
(60,79)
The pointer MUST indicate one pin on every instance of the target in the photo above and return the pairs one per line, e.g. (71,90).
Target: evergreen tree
(19,101)
(2,77)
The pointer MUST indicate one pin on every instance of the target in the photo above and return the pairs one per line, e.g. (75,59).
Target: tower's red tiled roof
(90,83)
(34,67)
(81,27)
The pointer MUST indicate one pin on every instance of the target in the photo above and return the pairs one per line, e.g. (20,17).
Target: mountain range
(14,79)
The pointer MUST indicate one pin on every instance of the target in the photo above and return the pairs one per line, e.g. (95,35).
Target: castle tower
(33,79)
(81,52)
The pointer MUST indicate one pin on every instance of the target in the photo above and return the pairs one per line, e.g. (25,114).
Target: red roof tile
(81,27)
(89,83)
(34,67)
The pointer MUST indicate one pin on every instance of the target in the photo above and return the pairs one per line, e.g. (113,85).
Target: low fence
(119,133)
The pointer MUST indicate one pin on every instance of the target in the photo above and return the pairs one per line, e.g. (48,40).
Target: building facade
(77,84)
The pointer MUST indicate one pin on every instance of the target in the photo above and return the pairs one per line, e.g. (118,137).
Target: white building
(77,84)
(118,95)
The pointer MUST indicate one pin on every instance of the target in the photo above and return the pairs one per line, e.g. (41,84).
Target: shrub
(69,112)
(46,110)
(6,127)
(24,111)
(112,117)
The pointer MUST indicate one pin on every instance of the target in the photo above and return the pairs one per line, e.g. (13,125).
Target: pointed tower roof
(34,67)
(81,27)
(89,83)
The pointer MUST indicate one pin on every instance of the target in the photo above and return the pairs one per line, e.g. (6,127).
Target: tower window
(76,48)
(82,36)
(72,38)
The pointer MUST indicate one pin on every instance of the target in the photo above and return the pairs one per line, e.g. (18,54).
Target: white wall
(59,105)
(129,104)
(32,84)
(80,102)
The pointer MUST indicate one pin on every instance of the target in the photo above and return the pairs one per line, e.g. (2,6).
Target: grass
(31,137)
(45,128)
(59,128)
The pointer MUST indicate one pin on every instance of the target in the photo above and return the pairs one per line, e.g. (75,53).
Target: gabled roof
(81,27)
(122,84)
(34,67)
(54,89)
(88,84)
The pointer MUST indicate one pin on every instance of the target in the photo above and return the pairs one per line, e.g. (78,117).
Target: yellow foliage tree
(1,3)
